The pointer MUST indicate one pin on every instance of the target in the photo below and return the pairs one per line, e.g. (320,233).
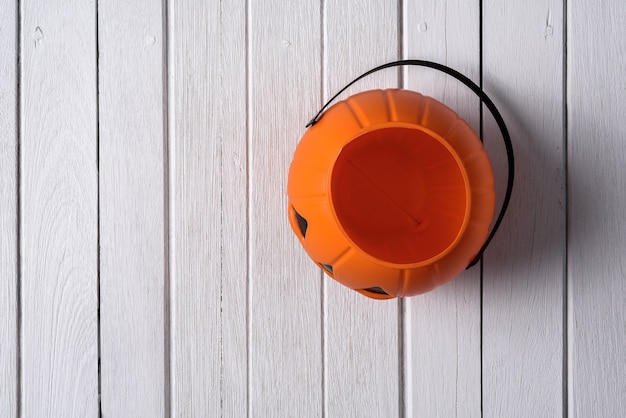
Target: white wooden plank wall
(147,267)
(284,291)
(195,208)
(132,222)
(523,271)
(596,157)
(9,347)
(207,201)
(59,209)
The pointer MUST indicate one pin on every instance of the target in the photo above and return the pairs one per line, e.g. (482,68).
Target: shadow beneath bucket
(528,251)
(596,203)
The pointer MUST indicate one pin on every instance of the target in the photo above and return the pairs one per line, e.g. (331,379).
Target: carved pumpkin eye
(302,223)
(328,268)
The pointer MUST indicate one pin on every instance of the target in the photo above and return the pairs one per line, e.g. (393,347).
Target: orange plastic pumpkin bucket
(391,193)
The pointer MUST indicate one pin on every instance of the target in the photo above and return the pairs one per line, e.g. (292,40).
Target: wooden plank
(234,200)
(361,335)
(208,237)
(59,194)
(597,202)
(234,235)
(523,270)
(8,211)
(132,223)
(442,345)
(285,349)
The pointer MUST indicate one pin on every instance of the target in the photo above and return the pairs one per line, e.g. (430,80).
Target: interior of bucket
(399,194)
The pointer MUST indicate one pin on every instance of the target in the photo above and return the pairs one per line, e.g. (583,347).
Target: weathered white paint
(362,361)
(59,209)
(523,275)
(8,210)
(284,294)
(208,260)
(132,227)
(442,328)
(209,305)
(597,203)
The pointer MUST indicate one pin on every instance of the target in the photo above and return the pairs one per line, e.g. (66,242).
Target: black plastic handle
(484,99)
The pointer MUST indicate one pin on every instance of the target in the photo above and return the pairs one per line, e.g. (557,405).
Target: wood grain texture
(132,223)
(442,345)
(59,230)
(361,334)
(234,233)
(208,200)
(285,349)
(8,210)
(597,203)
(523,269)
